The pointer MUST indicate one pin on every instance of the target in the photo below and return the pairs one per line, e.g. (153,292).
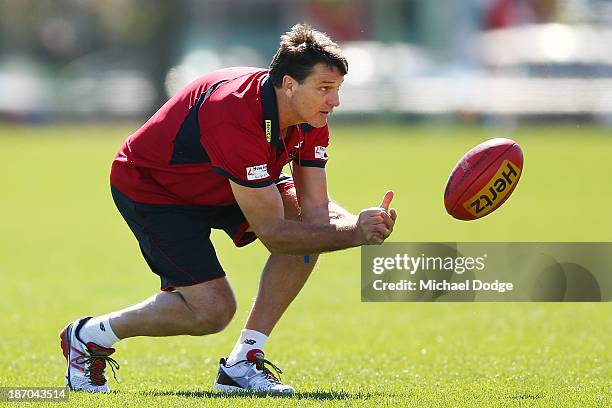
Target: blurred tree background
(475,60)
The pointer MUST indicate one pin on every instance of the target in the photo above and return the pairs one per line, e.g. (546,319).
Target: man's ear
(289,85)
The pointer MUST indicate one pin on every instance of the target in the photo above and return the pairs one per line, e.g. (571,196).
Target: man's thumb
(386,201)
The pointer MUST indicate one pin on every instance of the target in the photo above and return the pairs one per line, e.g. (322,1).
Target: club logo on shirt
(257,172)
(320,152)
(293,153)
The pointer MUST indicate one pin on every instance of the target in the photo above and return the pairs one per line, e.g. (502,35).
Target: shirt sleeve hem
(311,163)
(253,184)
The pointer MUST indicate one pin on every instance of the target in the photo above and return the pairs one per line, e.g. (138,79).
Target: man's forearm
(303,238)
(323,229)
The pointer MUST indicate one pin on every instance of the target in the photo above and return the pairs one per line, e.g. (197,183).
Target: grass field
(65,252)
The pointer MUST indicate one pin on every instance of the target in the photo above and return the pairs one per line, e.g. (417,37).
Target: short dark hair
(300,50)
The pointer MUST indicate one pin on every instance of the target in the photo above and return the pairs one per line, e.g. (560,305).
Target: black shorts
(175,240)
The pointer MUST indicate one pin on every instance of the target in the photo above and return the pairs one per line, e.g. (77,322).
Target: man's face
(314,99)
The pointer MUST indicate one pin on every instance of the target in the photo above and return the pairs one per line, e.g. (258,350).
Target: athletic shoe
(250,375)
(86,361)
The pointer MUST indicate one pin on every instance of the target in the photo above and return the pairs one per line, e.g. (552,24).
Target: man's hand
(376,224)
(263,209)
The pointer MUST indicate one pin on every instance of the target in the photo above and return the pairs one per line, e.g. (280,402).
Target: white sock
(98,330)
(248,340)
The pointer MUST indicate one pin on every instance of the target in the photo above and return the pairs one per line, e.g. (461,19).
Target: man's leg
(176,245)
(281,280)
(195,310)
(175,242)
(200,309)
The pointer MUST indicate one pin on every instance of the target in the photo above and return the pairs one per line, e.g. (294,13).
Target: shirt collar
(269,108)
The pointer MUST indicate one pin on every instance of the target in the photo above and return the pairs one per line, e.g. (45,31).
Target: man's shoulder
(234,74)
(226,78)
(236,99)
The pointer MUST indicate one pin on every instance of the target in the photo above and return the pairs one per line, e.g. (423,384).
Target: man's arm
(317,207)
(314,200)
(263,208)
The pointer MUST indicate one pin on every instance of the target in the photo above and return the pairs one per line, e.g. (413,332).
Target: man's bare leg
(281,280)
(196,310)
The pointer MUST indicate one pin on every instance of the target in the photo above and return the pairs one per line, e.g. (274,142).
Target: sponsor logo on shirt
(320,152)
(257,172)
(268,123)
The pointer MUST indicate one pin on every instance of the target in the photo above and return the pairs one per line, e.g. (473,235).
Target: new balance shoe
(86,361)
(250,375)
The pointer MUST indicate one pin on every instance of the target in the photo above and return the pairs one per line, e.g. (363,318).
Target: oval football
(483,179)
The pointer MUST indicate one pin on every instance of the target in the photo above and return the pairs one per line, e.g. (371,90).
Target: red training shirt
(222,126)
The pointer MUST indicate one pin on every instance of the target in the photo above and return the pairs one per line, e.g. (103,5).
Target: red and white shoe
(250,375)
(85,361)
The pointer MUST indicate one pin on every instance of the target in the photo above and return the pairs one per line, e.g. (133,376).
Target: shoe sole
(231,389)
(228,388)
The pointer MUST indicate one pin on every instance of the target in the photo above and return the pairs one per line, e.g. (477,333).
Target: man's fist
(376,224)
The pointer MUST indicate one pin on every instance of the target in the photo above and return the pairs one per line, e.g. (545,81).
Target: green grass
(65,252)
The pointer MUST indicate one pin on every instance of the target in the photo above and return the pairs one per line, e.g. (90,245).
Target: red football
(483,179)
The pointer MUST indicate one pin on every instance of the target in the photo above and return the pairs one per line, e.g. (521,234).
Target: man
(211,157)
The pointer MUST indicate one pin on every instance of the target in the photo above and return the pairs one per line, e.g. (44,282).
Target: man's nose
(333,98)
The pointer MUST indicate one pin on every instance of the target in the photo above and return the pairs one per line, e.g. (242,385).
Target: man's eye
(324,88)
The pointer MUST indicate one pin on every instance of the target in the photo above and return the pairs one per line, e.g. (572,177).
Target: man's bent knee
(215,318)
(212,305)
